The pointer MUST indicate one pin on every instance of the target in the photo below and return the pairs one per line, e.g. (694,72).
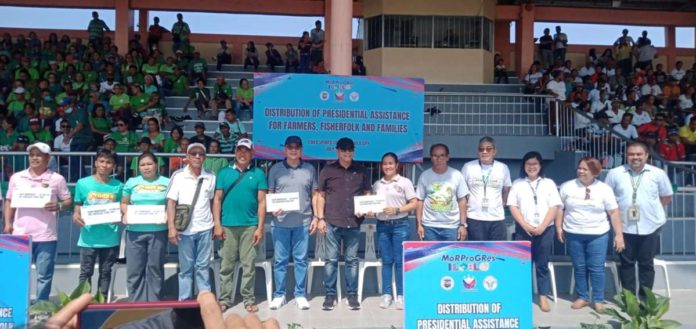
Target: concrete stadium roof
(662,5)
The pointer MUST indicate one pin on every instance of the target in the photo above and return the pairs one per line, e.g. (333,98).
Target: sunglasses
(486,149)
(197,153)
(587,193)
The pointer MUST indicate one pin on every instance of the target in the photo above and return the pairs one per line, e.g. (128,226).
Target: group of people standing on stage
(449,205)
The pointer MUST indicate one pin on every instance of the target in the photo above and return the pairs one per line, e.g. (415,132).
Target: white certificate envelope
(146,214)
(101,213)
(286,201)
(31,197)
(369,203)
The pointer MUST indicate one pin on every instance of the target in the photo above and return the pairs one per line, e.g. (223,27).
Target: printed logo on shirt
(100,197)
(441,196)
(150,188)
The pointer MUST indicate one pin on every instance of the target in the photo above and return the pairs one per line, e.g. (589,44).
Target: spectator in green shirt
(132,76)
(139,102)
(99,123)
(125,139)
(8,136)
(222,96)
(36,133)
(24,116)
(151,67)
(119,102)
(198,67)
(200,97)
(180,33)
(17,105)
(180,83)
(214,164)
(144,146)
(96,30)
(245,99)
(173,143)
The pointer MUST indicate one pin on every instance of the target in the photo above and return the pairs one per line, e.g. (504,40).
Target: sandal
(251,308)
(224,306)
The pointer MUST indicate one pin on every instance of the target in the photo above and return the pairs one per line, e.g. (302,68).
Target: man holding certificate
(292,186)
(339,183)
(97,211)
(142,205)
(31,207)
(240,199)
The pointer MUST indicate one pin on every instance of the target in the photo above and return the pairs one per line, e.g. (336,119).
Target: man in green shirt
(198,67)
(200,96)
(241,208)
(17,105)
(98,242)
(37,134)
(222,95)
(180,83)
(180,33)
(96,30)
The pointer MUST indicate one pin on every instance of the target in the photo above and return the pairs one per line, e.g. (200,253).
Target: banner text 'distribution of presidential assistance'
(380,114)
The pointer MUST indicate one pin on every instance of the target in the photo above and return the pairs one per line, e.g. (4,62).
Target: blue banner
(15,257)
(380,115)
(467,285)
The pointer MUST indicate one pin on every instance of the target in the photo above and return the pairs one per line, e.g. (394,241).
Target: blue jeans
(589,253)
(439,234)
(289,241)
(390,236)
(194,254)
(351,239)
(43,255)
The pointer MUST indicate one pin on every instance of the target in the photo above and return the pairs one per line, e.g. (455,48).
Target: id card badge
(484,203)
(634,213)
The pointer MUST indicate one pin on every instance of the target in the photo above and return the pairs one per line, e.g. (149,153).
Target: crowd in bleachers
(80,95)
(622,89)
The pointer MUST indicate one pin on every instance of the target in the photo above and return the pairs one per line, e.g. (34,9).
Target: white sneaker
(276,303)
(386,301)
(399,302)
(302,303)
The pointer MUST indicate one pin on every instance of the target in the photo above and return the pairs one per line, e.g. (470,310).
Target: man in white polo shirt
(196,241)
(39,223)
(642,191)
(489,183)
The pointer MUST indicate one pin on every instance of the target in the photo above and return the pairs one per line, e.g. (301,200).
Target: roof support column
(524,43)
(670,50)
(124,24)
(339,16)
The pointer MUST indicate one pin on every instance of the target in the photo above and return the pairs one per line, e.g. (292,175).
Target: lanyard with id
(634,209)
(536,199)
(485,179)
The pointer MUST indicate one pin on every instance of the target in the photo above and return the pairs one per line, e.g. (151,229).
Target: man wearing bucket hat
(38,222)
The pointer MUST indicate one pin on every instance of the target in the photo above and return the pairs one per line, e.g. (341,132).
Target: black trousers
(106,258)
(640,249)
(483,230)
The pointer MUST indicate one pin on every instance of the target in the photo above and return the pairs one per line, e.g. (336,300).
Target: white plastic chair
(118,267)
(262,262)
(370,259)
(552,277)
(319,260)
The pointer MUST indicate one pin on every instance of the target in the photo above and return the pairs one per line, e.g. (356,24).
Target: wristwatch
(463,225)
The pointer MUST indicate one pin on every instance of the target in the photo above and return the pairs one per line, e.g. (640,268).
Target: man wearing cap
(39,223)
(339,182)
(36,133)
(240,206)
(200,136)
(226,140)
(196,241)
(17,105)
(291,229)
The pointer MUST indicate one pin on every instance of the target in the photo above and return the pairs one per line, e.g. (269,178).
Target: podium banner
(15,257)
(380,114)
(467,285)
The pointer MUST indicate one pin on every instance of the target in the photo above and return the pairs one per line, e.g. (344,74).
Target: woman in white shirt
(583,224)
(393,225)
(533,203)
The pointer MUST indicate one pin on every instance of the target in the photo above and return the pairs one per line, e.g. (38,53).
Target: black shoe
(353,302)
(329,302)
